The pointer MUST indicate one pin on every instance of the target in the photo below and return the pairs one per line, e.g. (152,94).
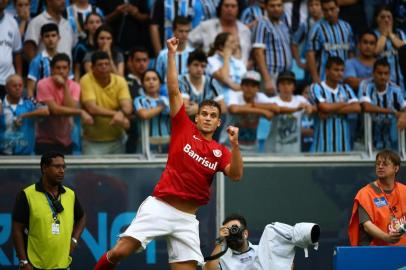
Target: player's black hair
(136,49)
(367,32)
(218,11)
(99,55)
(328,1)
(93,13)
(180,20)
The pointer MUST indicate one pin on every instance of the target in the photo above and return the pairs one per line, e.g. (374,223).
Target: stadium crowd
(80,76)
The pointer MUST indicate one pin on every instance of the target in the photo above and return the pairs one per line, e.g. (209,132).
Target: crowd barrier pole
(145,139)
(368,134)
(401,143)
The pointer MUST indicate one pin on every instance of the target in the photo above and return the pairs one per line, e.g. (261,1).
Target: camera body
(235,233)
(57,205)
(402,228)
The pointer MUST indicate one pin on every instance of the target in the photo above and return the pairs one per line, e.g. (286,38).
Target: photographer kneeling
(275,251)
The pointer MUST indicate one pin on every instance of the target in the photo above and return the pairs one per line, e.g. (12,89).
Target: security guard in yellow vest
(52,216)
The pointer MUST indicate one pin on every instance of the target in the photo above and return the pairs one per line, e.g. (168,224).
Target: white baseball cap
(251,75)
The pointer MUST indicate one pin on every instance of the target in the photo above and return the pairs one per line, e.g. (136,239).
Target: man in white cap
(246,107)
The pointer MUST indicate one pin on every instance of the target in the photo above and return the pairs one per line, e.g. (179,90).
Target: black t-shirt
(128,32)
(21,211)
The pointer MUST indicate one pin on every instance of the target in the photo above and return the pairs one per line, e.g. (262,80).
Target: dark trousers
(42,148)
(402,61)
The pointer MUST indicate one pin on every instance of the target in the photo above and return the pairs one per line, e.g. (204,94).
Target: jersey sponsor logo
(380,202)
(202,160)
(217,153)
(336,47)
(196,138)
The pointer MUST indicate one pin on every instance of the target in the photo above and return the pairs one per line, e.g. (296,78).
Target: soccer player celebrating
(193,159)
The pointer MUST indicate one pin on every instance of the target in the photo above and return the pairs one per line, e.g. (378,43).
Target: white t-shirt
(68,37)
(237,70)
(247,123)
(205,33)
(285,133)
(241,261)
(10,42)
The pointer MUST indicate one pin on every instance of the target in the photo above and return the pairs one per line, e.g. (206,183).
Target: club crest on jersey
(217,153)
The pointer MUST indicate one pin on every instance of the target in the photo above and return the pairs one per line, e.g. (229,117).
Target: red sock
(104,264)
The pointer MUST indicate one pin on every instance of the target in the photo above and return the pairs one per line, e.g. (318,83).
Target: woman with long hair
(103,41)
(92,23)
(223,65)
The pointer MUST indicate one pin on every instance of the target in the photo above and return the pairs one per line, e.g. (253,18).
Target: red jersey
(192,162)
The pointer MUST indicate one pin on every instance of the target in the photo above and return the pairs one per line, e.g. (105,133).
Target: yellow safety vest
(47,250)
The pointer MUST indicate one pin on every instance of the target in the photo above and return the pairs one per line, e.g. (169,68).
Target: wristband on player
(74,240)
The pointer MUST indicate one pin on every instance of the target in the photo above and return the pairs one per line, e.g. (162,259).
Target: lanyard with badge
(395,222)
(55,228)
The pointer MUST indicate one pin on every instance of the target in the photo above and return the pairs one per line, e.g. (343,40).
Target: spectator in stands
(384,99)
(138,65)
(360,68)
(222,64)
(390,39)
(227,21)
(272,46)
(106,97)
(253,13)
(334,101)
(22,15)
(196,86)
(125,15)
(17,123)
(378,210)
(165,12)
(327,38)
(181,29)
(103,41)
(285,135)
(92,23)
(307,129)
(154,108)
(10,47)
(61,95)
(245,108)
(77,13)
(299,37)
(52,14)
(40,66)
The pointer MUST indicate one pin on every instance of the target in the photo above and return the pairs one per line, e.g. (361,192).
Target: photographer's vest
(376,205)
(45,248)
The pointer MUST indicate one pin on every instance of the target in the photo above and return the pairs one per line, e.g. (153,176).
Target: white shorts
(156,218)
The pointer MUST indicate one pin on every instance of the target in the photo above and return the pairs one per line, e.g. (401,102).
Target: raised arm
(175,97)
(234,170)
